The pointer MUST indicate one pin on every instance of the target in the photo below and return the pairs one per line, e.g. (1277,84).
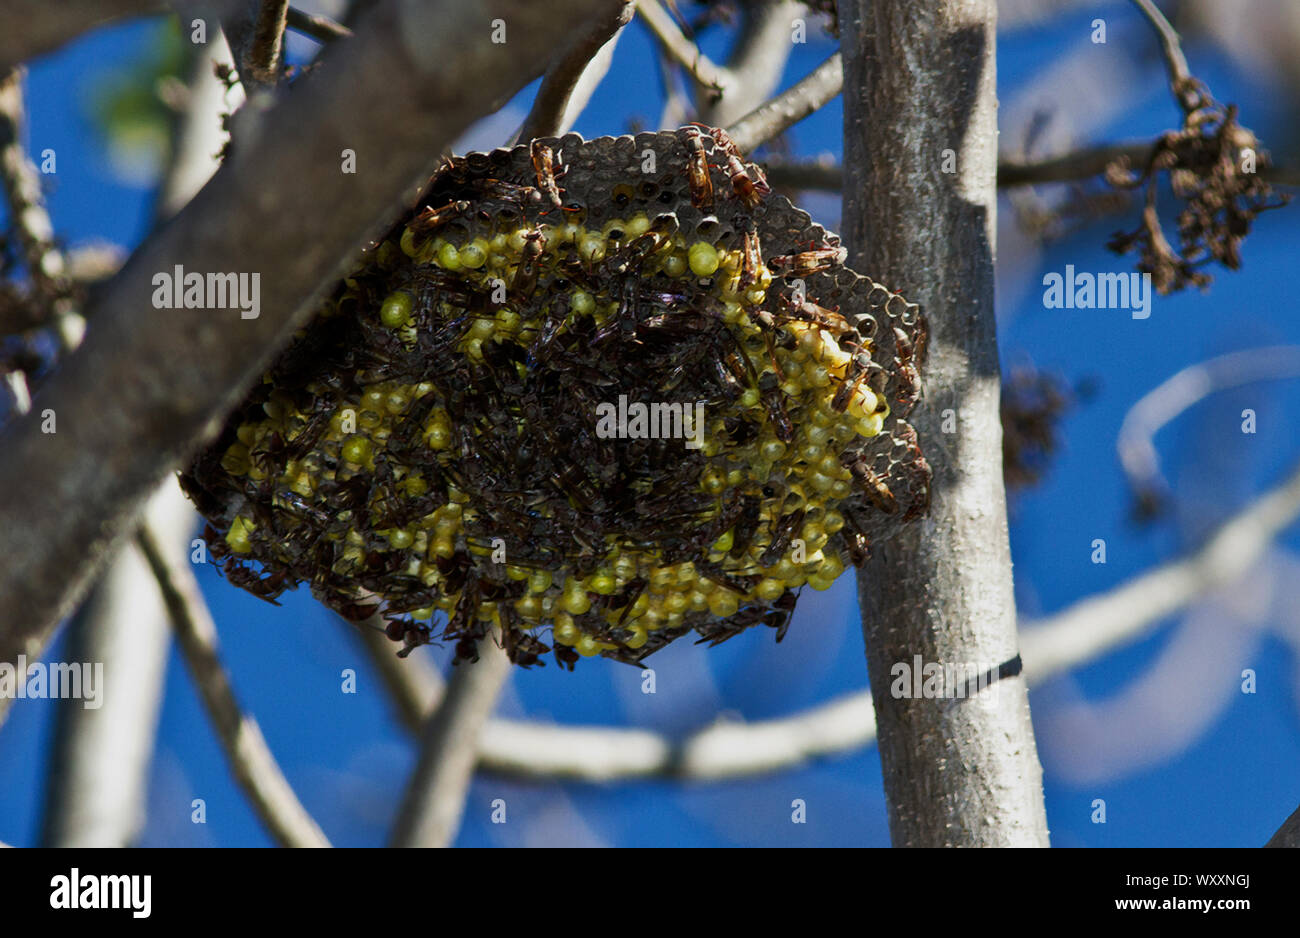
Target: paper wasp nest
(493,421)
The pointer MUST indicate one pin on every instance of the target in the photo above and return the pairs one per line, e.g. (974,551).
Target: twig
(1069,167)
(755,62)
(321,28)
(1288,835)
(558,101)
(31,220)
(791,106)
(250,759)
(435,797)
(148,386)
(1180,76)
(1156,408)
(706,74)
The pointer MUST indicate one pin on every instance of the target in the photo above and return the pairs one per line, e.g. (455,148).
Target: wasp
(749,189)
(808,262)
(697,172)
(769,386)
(873,486)
(782,534)
(806,311)
(432,219)
(508,191)
(525,279)
(544,165)
(751,252)
(638,249)
(853,378)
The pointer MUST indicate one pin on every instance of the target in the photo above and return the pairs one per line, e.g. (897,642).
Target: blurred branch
(263,58)
(148,387)
(30,219)
(98,778)
(251,761)
(1156,408)
(320,28)
(414,685)
(756,61)
(1288,835)
(791,106)
(435,797)
(1171,47)
(569,83)
(686,53)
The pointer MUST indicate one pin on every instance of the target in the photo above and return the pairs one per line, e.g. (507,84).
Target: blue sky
(1230,782)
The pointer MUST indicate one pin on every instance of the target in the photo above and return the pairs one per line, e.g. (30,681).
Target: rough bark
(920,80)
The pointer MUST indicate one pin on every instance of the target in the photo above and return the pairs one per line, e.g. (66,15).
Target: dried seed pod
(598,414)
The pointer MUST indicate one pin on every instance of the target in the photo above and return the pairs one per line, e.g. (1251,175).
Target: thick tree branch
(435,797)
(788,108)
(149,386)
(919,80)
(251,761)
(568,84)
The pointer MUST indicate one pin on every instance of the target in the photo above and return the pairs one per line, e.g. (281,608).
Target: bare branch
(31,220)
(755,63)
(99,770)
(414,685)
(1156,408)
(263,58)
(149,386)
(568,84)
(789,107)
(251,762)
(1171,47)
(435,797)
(682,50)
(320,28)
(1288,835)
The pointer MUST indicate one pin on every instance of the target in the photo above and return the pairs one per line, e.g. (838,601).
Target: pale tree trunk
(920,81)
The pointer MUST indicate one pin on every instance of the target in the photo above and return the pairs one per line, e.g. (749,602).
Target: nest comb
(439,442)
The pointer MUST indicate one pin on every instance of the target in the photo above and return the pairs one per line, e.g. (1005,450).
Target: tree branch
(435,797)
(791,106)
(148,386)
(920,79)
(1171,47)
(1288,835)
(320,28)
(684,52)
(559,100)
(251,761)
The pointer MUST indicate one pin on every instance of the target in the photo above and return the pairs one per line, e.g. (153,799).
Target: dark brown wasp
(734,582)
(784,531)
(873,486)
(854,375)
(807,311)
(508,192)
(638,249)
(544,165)
(807,262)
(909,357)
(697,172)
(525,279)
(769,386)
(431,219)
